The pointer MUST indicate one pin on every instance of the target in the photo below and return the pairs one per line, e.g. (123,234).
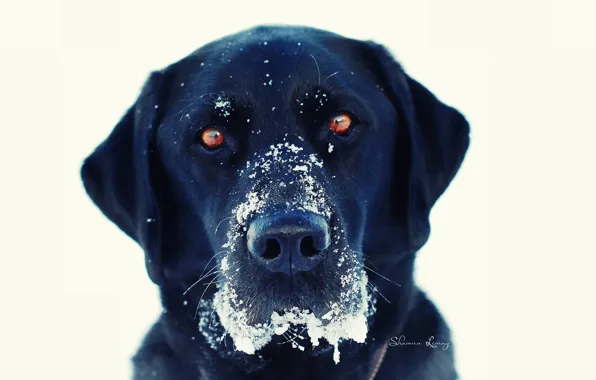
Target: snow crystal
(330,149)
(266,61)
(224,105)
(224,265)
(221,103)
(293,148)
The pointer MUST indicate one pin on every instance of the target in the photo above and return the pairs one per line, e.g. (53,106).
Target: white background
(510,259)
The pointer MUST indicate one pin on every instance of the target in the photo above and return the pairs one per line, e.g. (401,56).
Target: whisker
(212,257)
(289,339)
(223,220)
(221,300)
(318,70)
(216,306)
(370,261)
(380,275)
(376,290)
(216,282)
(209,273)
(207,287)
(193,101)
(205,276)
(201,276)
(330,76)
(297,335)
(192,286)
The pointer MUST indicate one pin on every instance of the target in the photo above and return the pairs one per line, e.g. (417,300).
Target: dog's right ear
(117,175)
(432,141)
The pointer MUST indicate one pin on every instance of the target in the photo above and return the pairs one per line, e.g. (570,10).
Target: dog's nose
(288,242)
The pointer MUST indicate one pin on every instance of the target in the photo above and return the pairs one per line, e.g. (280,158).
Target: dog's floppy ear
(117,175)
(432,140)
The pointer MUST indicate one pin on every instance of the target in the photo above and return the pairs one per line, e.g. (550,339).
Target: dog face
(268,164)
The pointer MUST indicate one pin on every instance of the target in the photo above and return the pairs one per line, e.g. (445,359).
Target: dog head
(271,165)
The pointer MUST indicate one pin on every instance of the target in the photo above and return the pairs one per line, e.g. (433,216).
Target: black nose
(288,242)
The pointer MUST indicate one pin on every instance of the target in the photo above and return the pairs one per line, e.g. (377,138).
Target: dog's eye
(341,124)
(211,138)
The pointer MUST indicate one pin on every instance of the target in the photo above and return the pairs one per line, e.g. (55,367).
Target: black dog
(288,168)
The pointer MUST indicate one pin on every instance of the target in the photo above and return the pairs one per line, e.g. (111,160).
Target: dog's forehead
(262,58)
(268,69)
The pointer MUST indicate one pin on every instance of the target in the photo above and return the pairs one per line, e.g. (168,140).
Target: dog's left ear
(432,140)
(117,175)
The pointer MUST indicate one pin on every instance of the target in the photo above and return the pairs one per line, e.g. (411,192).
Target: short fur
(170,194)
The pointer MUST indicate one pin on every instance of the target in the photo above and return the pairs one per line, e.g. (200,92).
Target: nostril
(307,247)
(272,249)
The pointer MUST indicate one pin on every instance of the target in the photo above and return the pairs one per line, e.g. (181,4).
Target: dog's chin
(313,321)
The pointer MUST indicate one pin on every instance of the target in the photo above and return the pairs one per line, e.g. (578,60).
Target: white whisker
(196,282)
(380,275)
(207,287)
(223,220)
(212,257)
(318,70)
(375,290)
(330,76)
(201,277)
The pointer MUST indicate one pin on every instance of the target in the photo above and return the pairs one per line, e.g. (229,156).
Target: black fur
(165,190)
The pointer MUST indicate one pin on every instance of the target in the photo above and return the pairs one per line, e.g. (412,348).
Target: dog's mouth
(304,328)
(325,301)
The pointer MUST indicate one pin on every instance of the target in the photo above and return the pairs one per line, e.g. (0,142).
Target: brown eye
(212,138)
(341,124)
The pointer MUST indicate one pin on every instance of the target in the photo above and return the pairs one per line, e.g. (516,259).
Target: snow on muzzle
(284,179)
